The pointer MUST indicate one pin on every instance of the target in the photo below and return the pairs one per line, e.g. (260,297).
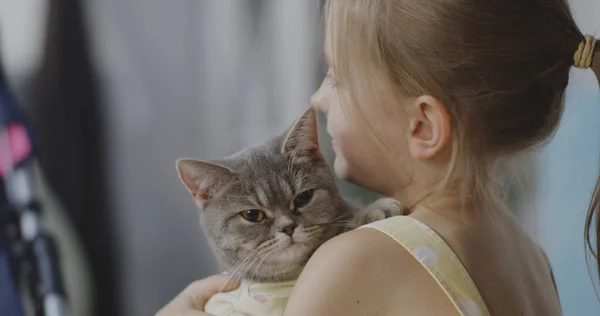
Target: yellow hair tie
(585,53)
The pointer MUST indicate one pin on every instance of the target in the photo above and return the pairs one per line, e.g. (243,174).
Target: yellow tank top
(427,247)
(270,299)
(251,299)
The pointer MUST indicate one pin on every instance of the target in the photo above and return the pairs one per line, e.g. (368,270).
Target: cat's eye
(303,198)
(254,216)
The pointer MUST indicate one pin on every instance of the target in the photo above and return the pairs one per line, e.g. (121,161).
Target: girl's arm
(191,300)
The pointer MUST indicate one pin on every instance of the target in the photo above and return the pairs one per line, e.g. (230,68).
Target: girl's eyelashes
(331,79)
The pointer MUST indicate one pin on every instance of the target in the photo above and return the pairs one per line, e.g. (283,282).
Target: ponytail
(592,222)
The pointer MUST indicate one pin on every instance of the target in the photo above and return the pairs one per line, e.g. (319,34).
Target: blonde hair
(500,67)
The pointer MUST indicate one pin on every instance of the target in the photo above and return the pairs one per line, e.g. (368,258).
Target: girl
(423,100)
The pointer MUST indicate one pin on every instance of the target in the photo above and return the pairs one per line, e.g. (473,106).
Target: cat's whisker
(344,223)
(256,258)
(339,219)
(340,224)
(238,271)
(265,257)
(265,249)
(347,225)
(241,266)
(233,272)
(238,265)
(312,228)
(314,232)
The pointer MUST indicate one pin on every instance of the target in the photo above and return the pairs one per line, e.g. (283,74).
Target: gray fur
(268,177)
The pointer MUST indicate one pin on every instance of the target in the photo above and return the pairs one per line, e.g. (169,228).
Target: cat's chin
(289,254)
(283,265)
(278,272)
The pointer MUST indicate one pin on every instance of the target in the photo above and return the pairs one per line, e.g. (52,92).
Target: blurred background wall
(189,78)
(119,89)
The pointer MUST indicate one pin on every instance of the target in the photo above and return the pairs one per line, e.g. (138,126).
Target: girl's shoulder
(354,274)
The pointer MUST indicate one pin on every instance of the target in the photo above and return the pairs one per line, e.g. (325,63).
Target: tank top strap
(427,247)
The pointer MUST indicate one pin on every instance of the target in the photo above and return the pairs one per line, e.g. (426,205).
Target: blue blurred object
(10,301)
(28,255)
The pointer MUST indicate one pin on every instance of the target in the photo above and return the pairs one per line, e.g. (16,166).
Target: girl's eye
(254,216)
(303,198)
(331,79)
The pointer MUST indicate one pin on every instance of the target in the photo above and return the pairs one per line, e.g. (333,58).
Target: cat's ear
(302,140)
(203,179)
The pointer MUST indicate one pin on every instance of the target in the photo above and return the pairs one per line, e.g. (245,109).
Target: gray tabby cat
(266,209)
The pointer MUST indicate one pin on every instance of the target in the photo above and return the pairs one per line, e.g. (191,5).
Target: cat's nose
(289,230)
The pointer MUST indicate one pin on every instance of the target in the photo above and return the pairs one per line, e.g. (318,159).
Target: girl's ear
(430,127)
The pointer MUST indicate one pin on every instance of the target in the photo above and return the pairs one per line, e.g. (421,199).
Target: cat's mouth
(306,236)
(283,261)
(290,252)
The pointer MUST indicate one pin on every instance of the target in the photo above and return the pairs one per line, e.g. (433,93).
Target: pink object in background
(19,145)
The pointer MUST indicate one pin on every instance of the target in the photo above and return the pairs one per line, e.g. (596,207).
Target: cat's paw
(382,209)
(388,207)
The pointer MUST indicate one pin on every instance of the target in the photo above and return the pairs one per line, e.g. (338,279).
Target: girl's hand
(191,301)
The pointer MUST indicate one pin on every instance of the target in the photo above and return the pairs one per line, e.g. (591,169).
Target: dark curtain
(66,114)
